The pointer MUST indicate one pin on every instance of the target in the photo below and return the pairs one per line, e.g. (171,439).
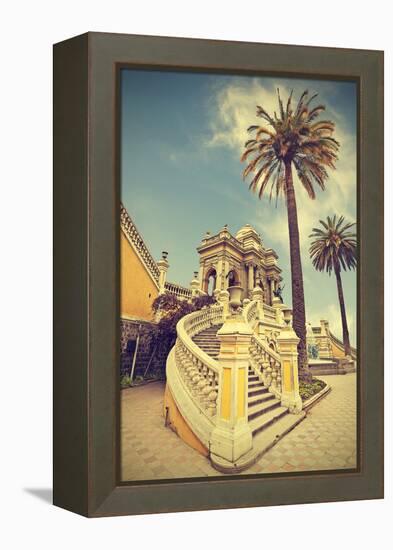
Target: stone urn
(287,314)
(235,297)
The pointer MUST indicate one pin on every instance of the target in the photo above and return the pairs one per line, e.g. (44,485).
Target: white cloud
(233,109)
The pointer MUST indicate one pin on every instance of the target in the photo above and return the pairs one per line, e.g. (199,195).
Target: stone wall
(128,335)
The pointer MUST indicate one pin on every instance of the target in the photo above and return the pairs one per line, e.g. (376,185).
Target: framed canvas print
(218,260)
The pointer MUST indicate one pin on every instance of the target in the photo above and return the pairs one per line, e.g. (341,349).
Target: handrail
(195,371)
(135,237)
(340,344)
(250,313)
(178,290)
(269,312)
(265,360)
(195,322)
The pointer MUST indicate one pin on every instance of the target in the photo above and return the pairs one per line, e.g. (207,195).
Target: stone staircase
(264,409)
(208,342)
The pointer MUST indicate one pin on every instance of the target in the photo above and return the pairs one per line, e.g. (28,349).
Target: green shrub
(307,390)
(125,381)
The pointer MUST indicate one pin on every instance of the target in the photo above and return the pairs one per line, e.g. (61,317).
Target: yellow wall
(177,423)
(338,353)
(137,289)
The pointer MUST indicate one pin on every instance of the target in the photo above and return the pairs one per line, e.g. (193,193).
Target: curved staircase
(196,381)
(264,408)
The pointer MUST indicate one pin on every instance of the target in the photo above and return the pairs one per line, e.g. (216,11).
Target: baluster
(267,370)
(273,383)
(278,369)
(212,408)
(202,381)
(207,389)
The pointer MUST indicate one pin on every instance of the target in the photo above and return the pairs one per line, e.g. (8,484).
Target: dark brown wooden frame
(86,273)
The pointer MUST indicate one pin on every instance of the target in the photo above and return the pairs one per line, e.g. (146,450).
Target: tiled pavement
(326,439)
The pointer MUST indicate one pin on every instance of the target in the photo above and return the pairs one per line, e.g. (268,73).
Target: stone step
(255,384)
(206,345)
(257,391)
(261,443)
(206,342)
(262,408)
(260,423)
(260,399)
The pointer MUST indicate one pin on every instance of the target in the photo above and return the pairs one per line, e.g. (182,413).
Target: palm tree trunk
(347,345)
(299,313)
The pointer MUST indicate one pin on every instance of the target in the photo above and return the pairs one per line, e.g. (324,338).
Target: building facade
(226,260)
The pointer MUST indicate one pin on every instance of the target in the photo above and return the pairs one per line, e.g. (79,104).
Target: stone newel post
(163,266)
(232,438)
(257,294)
(287,342)
(223,299)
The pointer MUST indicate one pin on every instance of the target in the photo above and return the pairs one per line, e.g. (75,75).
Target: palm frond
(292,136)
(333,247)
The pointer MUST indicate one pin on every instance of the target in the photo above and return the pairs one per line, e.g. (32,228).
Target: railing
(194,376)
(340,344)
(267,363)
(178,290)
(270,313)
(133,234)
(196,322)
(264,360)
(251,312)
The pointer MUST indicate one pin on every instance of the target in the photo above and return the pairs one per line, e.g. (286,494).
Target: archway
(210,282)
(233,278)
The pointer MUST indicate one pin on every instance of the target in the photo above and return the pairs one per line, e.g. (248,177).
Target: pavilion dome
(245,231)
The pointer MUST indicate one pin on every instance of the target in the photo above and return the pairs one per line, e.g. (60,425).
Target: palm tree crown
(334,246)
(293,137)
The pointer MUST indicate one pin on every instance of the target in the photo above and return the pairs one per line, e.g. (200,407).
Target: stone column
(250,283)
(163,266)
(287,342)
(232,438)
(219,281)
(270,291)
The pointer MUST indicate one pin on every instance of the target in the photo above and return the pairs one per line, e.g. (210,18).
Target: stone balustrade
(211,394)
(193,376)
(264,359)
(251,312)
(134,236)
(178,290)
(201,378)
(199,320)
(267,363)
(270,313)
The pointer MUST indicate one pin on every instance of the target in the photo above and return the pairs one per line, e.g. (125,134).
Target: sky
(182,135)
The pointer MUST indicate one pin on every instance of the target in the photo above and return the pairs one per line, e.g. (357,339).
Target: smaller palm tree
(334,247)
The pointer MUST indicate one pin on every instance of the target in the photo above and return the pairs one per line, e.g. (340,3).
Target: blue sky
(182,137)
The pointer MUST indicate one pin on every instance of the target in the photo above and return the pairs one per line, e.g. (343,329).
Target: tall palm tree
(291,139)
(334,247)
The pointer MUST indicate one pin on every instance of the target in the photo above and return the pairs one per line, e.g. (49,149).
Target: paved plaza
(326,439)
